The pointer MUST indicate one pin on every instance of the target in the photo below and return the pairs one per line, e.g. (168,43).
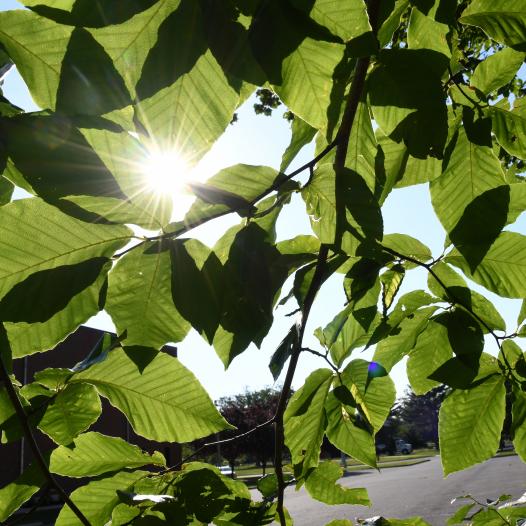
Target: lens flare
(166,172)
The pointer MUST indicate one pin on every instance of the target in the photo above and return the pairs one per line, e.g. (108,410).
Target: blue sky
(261,140)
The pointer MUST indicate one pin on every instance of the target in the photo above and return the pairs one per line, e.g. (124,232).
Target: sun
(166,172)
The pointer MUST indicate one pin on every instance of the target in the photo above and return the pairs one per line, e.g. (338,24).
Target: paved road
(414,490)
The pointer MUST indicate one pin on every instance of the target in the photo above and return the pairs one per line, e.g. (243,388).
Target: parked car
(227,471)
(397,447)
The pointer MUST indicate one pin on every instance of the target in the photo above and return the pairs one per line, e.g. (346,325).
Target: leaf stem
(39,458)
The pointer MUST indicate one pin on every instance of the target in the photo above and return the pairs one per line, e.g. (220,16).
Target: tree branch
(39,458)
(454,299)
(342,142)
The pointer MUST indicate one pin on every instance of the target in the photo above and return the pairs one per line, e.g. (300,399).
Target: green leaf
(305,419)
(95,13)
(412,100)
(419,171)
(394,347)
(502,270)
(160,397)
(301,67)
(61,240)
(6,191)
(268,485)
(375,395)
(58,286)
(57,144)
(197,285)
(458,292)
(23,34)
(358,210)
(471,170)
(522,313)
(347,431)
(346,20)
(93,454)
(253,276)
(89,83)
(127,159)
(431,350)
(140,298)
(302,134)
(233,188)
(426,33)
(21,490)
(282,353)
(189,115)
(349,330)
(321,485)
(519,423)
(70,413)
(391,282)
(30,338)
(129,43)
(502,20)
(460,515)
(407,246)
(97,499)
(496,70)
(510,128)
(392,20)
(339,522)
(320,198)
(306,80)
(470,424)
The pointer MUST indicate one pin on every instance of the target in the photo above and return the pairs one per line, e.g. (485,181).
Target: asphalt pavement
(418,490)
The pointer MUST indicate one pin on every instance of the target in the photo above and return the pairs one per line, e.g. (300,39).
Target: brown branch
(342,142)
(39,458)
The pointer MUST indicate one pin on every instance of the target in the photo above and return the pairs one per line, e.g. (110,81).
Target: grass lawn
(385,460)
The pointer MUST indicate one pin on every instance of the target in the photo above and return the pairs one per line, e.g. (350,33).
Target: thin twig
(39,458)
(321,355)
(454,299)
(217,443)
(461,89)
(280,181)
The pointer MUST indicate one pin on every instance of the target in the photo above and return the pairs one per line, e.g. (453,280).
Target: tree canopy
(394,93)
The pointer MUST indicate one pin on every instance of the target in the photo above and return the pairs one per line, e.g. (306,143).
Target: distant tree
(246,411)
(419,414)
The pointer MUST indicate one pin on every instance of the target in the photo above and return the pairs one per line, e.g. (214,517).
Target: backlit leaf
(140,298)
(97,499)
(70,413)
(497,70)
(92,454)
(502,20)
(305,419)
(502,270)
(348,432)
(162,399)
(471,423)
(375,396)
(321,485)
(13,495)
